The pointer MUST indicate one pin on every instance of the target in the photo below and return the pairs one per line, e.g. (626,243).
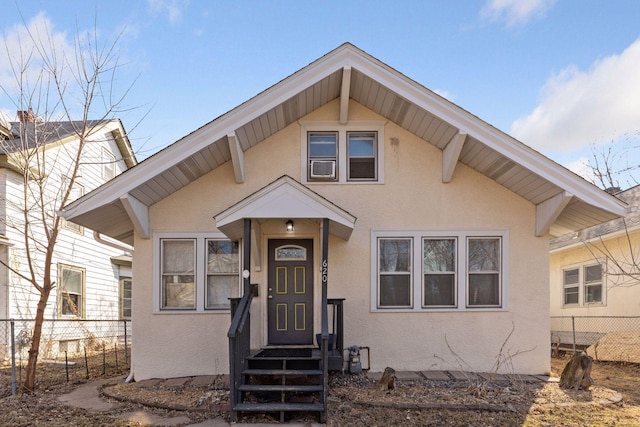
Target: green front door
(290,292)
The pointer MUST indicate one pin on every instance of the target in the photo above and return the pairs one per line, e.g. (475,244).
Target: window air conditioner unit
(323,168)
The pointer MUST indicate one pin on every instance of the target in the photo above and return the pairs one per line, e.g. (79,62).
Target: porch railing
(239,344)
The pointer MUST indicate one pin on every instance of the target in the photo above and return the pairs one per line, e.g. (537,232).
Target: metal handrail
(239,346)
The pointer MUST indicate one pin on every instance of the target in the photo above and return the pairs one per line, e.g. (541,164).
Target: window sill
(440,310)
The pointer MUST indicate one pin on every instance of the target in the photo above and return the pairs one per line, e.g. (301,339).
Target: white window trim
(108,164)
(61,291)
(200,272)
(461,268)
(307,126)
(582,285)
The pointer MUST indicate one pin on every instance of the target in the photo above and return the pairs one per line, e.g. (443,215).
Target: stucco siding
(412,197)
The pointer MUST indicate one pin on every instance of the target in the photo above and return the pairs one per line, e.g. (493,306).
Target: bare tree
(615,164)
(54,84)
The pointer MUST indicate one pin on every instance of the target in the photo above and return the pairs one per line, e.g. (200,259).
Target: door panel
(290,292)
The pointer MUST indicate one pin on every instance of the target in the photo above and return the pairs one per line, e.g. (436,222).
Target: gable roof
(564,201)
(39,133)
(615,227)
(288,199)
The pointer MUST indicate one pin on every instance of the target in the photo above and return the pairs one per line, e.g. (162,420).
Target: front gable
(564,202)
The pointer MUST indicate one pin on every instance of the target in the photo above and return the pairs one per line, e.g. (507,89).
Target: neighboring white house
(92,275)
(346,180)
(595,274)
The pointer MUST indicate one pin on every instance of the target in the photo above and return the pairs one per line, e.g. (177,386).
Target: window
(195,273)
(223,268)
(76,192)
(394,272)
(71,291)
(339,153)
(361,149)
(458,270)
(484,272)
(108,165)
(439,269)
(582,285)
(178,273)
(125,298)
(323,155)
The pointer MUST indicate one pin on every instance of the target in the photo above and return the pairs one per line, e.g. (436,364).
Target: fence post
(126,357)
(13,357)
(573,328)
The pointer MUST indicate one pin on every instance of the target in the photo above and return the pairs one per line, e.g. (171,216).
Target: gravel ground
(354,400)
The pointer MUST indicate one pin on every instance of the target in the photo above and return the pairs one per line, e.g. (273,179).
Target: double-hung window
(456,270)
(71,283)
(394,272)
(223,269)
(361,149)
(439,268)
(583,284)
(195,272)
(343,153)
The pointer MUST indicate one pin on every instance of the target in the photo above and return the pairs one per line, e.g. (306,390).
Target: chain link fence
(605,338)
(70,351)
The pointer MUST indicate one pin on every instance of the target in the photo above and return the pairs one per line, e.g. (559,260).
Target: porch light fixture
(289,224)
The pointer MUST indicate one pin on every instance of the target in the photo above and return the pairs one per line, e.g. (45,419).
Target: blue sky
(561,76)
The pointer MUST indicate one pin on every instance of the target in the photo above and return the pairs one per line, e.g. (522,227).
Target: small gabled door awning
(285,198)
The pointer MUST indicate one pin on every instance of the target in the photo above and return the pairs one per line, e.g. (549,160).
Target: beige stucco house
(594,275)
(345,180)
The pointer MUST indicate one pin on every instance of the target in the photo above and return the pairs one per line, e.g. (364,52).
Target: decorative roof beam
(138,213)
(450,156)
(237,157)
(344,95)
(548,211)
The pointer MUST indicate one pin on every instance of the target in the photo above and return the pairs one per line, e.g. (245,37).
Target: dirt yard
(355,401)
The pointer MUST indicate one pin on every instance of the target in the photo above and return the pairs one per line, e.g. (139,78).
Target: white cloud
(172,8)
(24,44)
(578,108)
(514,12)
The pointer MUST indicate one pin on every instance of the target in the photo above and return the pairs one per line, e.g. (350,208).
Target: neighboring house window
(125,298)
(361,153)
(458,270)
(195,273)
(108,165)
(76,192)
(71,291)
(583,284)
(339,153)
(178,274)
(223,269)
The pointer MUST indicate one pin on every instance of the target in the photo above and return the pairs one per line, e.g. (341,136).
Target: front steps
(281,381)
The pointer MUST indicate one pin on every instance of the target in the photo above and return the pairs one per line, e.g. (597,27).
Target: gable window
(195,272)
(459,270)
(333,152)
(361,149)
(223,269)
(323,155)
(583,284)
(71,291)
(125,298)
(108,165)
